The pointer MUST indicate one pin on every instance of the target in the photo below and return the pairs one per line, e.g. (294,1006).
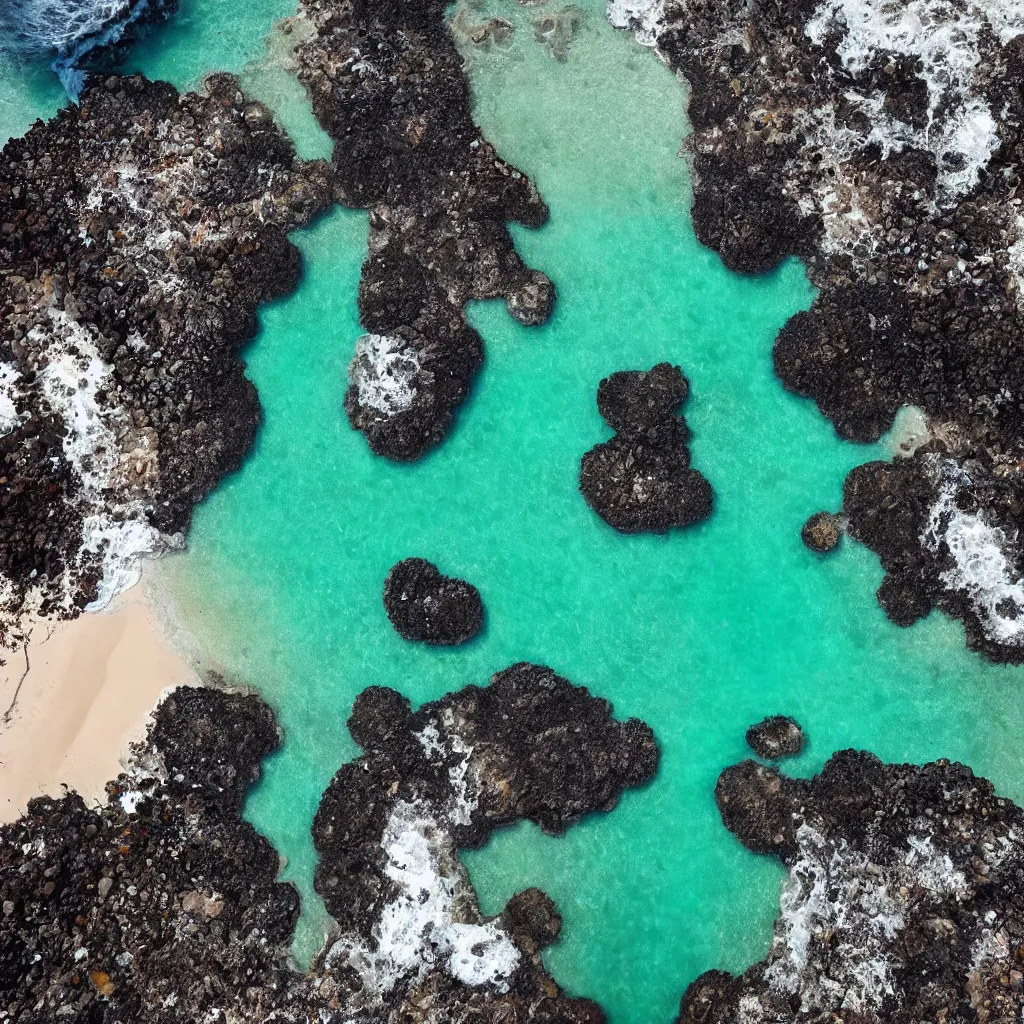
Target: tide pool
(700,632)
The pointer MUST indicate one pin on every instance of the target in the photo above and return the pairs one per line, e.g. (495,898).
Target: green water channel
(700,632)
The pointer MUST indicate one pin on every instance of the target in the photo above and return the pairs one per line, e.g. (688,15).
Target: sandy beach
(69,710)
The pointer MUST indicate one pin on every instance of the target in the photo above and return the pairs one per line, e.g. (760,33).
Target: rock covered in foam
(138,233)
(162,906)
(426,606)
(946,530)
(903,900)
(776,737)
(641,479)
(880,142)
(387,85)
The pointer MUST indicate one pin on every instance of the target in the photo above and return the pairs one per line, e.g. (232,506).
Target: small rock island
(641,480)
(425,606)
(776,737)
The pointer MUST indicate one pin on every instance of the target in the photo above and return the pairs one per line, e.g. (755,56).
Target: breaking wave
(79,35)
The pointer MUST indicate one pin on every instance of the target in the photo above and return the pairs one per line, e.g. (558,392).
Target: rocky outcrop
(387,85)
(641,479)
(941,527)
(138,234)
(822,532)
(881,143)
(423,605)
(776,737)
(903,901)
(530,745)
(161,906)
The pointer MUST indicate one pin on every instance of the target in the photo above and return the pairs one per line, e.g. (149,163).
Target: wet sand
(69,711)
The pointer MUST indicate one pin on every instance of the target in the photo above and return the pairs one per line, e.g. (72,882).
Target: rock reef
(776,737)
(881,143)
(423,605)
(641,479)
(387,85)
(822,532)
(162,905)
(903,901)
(528,746)
(138,234)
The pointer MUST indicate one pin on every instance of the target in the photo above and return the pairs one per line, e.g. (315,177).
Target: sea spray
(79,35)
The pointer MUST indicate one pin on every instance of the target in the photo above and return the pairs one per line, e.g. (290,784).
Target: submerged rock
(139,232)
(776,737)
(162,906)
(424,605)
(822,532)
(387,85)
(641,479)
(557,29)
(903,901)
(881,143)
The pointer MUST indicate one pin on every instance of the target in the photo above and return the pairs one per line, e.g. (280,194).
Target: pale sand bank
(89,689)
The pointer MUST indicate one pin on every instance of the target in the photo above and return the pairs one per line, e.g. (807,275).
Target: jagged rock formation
(881,143)
(387,85)
(935,522)
(904,899)
(822,532)
(138,234)
(423,605)
(529,745)
(776,737)
(641,479)
(162,905)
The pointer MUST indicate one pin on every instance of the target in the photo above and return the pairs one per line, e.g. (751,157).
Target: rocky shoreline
(903,900)
(162,905)
(138,234)
(882,145)
(641,479)
(387,85)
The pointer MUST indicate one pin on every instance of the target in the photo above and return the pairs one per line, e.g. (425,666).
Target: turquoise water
(700,632)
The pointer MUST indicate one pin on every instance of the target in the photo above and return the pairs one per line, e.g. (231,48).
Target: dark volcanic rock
(842,137)
(822,532)
(904,901)
(139,232)
(776,737)
(387,85)
(935,523)
(161,907)
(530,745)
(641,479)
(424,605)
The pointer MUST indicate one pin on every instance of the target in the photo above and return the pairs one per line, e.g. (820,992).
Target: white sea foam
(114,529)
(983,560)
(829,891)
(9,416)
(960,129)
(425,928)
(645,18)
(386,371)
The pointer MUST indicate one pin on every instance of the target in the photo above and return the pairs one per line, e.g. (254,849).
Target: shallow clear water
(700,632)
